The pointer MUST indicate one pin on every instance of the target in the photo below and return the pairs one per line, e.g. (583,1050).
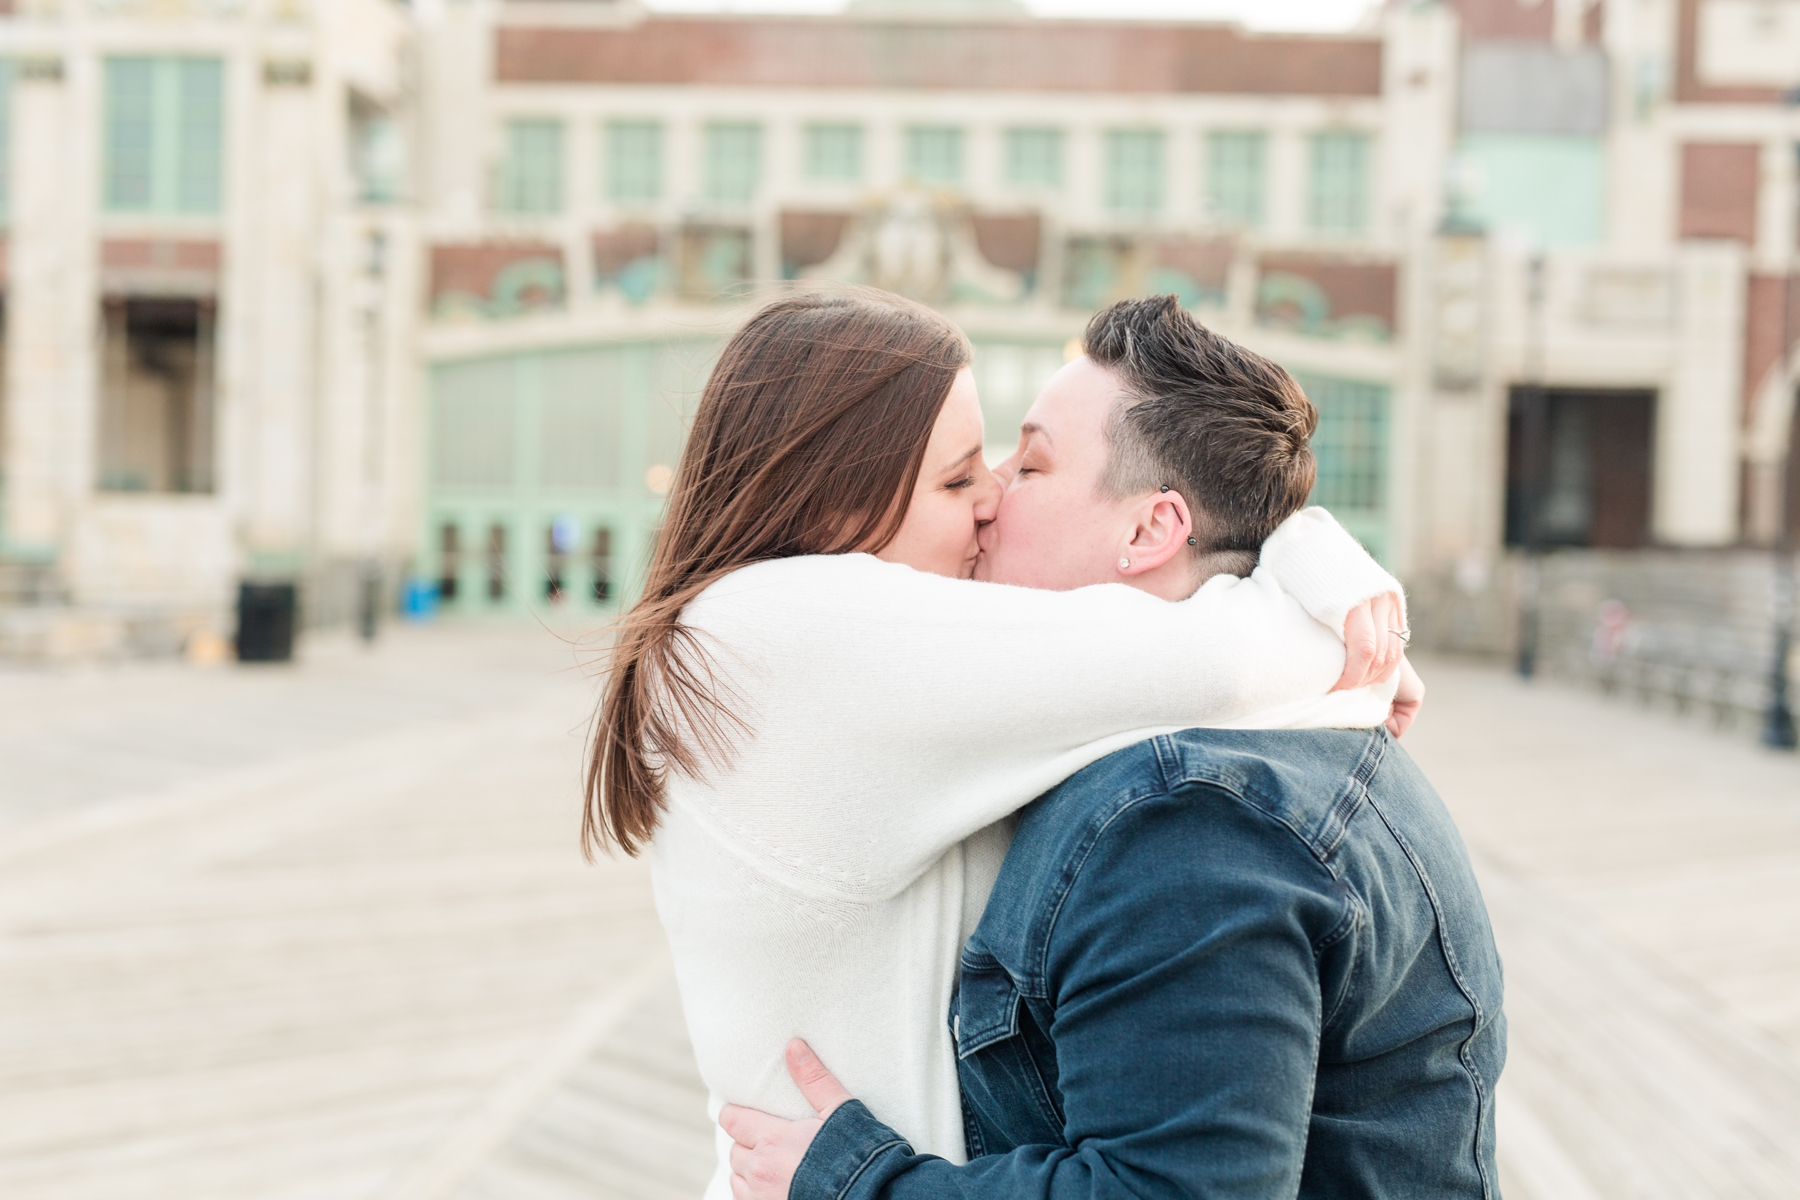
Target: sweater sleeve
(891,713)
(1315,560)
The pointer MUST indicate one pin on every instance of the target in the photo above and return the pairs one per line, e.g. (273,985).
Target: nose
(988,487)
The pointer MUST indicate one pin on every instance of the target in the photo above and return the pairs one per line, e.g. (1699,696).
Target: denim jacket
(1218,964)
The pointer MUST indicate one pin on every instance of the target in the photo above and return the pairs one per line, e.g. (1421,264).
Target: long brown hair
(808,440)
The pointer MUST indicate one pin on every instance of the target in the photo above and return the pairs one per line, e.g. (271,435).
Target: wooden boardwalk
(1643,874)
(322,933)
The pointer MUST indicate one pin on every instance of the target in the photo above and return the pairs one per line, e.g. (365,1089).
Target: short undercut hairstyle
(1226,428)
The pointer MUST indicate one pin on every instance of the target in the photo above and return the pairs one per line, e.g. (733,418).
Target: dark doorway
(1578,467)
(156,396)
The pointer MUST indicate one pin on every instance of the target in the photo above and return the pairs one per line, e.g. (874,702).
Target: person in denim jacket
(1217,963)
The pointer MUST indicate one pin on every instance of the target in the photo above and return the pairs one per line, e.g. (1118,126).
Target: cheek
(1034,515)
(947,526)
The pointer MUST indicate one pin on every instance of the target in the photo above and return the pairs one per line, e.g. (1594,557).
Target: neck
(1183,575)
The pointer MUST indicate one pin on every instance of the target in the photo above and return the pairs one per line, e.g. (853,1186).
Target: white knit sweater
(821,884)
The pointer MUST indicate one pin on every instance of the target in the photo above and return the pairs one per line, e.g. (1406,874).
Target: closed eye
(960,484)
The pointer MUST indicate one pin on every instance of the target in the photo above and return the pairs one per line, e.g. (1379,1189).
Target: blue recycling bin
(419,599)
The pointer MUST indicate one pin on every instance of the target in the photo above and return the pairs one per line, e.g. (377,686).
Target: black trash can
(266,622)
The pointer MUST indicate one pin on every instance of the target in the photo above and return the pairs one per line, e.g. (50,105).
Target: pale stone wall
(315,374)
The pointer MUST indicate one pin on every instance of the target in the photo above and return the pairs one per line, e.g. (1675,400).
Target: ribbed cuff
(1318,563)
(842,1162)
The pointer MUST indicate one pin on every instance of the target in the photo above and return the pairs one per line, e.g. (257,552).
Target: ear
(1160,532)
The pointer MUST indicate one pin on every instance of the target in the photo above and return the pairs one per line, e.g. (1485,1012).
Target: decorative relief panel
(926,246)
(629,258)
(713,262)
(495,280)
(1628,297)
(1323,297)
(1098,270)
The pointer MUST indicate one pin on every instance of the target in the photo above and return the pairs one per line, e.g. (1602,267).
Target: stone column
(1698,415)
(50,308)
(273,480)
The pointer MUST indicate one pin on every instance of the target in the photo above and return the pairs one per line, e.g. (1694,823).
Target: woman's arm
(892,713)
(1315,560)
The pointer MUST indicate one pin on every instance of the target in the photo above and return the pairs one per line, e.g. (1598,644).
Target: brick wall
(1718,190)
(1051,56)
(1768,307)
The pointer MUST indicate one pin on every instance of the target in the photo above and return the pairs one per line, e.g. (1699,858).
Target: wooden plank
(290,936)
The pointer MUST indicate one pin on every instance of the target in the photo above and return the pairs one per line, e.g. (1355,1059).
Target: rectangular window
(449,560)
(130,133)
(496,562)
(556,562)
(601,563)
(934,154)
(163,137)
(1134,170)
(1351,447)
(377,155)
(633,160)
(156,398)
(531,180)
(1034,157)
(1338,200)
(733,165)
(834,152)
(201,82)
(1234,178)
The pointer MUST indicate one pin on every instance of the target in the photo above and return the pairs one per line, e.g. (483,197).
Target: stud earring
(1124,564)
(1193,541)
(1165,487)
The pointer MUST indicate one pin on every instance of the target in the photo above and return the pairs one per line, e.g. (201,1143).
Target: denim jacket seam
(1072,873)
(1345,924)
(1345,927)
(1348,921)
(1483,1102)
(1335,826)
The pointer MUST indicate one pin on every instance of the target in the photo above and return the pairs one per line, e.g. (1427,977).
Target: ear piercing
(1193,541)
(1124,564)
(1165,487)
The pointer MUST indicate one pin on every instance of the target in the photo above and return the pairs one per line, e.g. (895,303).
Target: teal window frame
(634,161)
(1134,170)
(934,154)
(531,178)
(834,151)
(162,135)
(1236,172)
(733,163)
(1034,156)
(1353,446)
(1337,202)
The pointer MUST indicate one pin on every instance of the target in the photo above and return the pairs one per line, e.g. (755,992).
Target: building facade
(210,313)
(621,187)
(463,267)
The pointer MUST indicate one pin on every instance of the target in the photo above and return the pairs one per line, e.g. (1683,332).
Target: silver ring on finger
(1405,636)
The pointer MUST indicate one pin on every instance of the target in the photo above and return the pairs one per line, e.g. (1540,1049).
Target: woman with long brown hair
(815,717)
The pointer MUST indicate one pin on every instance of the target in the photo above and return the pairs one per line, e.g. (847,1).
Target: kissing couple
(1040,831)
